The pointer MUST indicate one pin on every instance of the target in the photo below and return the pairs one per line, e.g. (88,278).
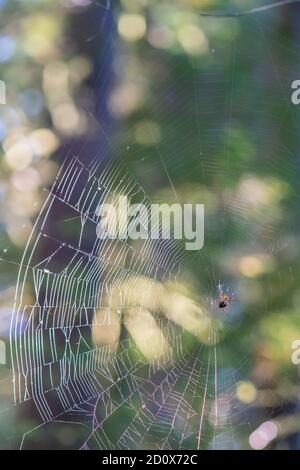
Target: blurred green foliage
(210,97)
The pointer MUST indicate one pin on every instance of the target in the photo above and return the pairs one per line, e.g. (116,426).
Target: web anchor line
(252,11)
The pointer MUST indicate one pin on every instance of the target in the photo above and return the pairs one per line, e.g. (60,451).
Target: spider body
(224,297)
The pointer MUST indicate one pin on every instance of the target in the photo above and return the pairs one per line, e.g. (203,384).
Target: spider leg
(220,288)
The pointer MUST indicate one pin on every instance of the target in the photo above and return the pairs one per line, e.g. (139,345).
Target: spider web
(175,402)
(69,379)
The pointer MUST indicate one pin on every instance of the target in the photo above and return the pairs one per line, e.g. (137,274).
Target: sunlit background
(199,110)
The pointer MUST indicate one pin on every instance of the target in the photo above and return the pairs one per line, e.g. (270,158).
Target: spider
(224,297)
